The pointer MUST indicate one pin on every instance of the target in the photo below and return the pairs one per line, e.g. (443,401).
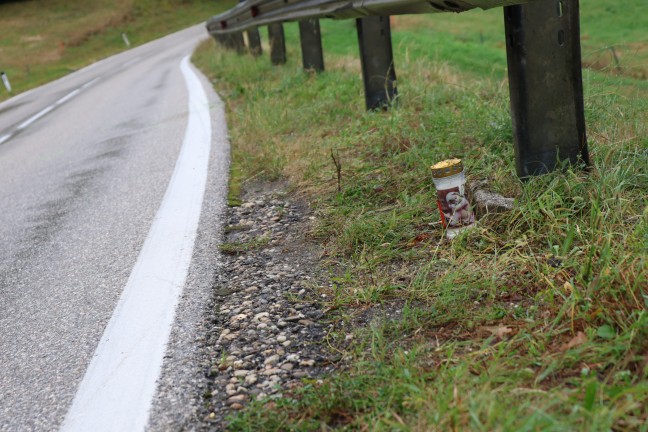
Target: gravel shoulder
(267,333)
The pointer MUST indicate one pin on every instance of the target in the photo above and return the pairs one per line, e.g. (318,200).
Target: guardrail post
(254,39)
(311,45)
(223,40)
(234,41)
(377,60)
(226,40)
(545,81)
(277,44)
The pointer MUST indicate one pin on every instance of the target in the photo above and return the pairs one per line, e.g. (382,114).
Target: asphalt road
(85,163)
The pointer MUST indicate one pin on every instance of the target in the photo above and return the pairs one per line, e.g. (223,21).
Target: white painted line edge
(35,117)
(45,111)
(117,390)
(67,97)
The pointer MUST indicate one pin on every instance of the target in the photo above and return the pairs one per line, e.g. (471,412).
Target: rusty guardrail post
(377,60)
(311,45)
(254,40)
(277,43)
(545,81)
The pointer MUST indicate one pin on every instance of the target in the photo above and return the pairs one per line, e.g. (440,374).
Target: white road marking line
(35,117)
(67,97)
(45,111)
(117,391)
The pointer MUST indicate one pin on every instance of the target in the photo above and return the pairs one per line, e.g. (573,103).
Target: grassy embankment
(44,40)
(536,319)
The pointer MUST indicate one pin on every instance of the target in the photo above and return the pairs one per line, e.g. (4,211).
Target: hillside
(43,40)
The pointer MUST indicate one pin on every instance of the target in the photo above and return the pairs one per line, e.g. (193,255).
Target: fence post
(311,45)
(546,86)
(254,39)
(377,60)
(277,43)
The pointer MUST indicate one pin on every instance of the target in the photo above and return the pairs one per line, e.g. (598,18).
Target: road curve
(86,166)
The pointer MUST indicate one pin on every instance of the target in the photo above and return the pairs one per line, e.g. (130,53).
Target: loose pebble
(263,341)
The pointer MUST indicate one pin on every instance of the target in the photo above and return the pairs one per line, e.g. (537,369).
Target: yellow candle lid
(446,168)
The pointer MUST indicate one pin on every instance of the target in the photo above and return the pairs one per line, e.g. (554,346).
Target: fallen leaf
(420,238)
(577,340)
(498,331)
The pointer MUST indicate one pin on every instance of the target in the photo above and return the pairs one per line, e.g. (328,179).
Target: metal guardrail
(252,13)
(542,46)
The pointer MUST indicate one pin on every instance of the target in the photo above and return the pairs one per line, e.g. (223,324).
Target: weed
(240,248)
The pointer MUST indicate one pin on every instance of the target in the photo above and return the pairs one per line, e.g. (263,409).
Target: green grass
(534,320)
(603,25)
(44,40)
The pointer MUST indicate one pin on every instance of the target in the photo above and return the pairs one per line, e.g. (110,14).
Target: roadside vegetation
(534,320)
(44,40)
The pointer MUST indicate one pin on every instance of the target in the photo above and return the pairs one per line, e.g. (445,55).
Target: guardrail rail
(543,56)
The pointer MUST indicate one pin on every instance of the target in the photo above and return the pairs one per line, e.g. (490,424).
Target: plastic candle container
(456,211)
